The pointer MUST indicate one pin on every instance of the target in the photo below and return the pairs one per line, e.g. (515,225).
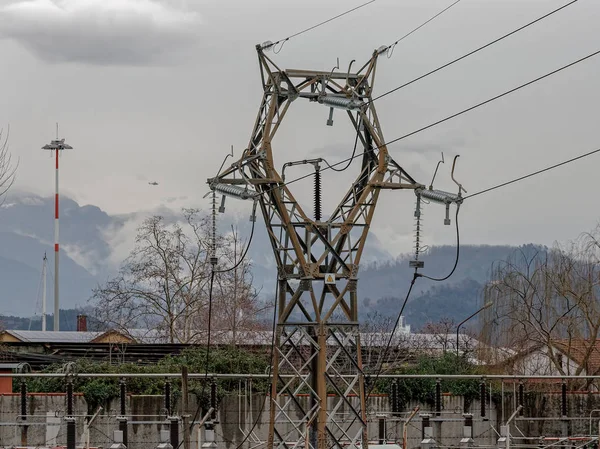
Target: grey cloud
(113,32)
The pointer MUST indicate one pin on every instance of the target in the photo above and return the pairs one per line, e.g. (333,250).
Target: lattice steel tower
(317,348)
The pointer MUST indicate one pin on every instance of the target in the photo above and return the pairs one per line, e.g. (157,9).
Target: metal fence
(498,411)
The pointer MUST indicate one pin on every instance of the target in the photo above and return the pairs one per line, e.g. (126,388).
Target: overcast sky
(156,90)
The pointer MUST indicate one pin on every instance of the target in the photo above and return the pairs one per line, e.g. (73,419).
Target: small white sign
(330,278)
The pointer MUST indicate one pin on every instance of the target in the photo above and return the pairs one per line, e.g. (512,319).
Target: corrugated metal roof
(54,337)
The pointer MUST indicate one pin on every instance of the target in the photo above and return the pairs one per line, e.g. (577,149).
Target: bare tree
(547,302)
(238,305)
(163,286)
(7,168)
(376,331)
(441,332)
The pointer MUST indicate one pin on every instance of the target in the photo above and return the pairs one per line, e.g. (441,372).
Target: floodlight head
(57,145)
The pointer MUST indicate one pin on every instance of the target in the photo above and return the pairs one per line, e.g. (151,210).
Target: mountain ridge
(93,242)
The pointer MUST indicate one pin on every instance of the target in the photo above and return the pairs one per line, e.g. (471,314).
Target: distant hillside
(68,321)
(383,286)
(94,242)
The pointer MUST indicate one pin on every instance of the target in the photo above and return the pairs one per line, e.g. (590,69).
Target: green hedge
(98,391)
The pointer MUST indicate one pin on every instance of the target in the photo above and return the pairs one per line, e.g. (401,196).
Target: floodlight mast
(317,336)
(56,145)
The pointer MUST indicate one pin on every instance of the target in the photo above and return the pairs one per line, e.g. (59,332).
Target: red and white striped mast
(56,146)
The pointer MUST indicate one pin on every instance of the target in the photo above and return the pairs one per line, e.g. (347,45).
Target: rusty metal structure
(318,258)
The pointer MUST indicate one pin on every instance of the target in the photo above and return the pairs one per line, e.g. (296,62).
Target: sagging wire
(520,178)
(390,50)
(431,125)
(339,170)
(214,261)
(272,45)
(274,330)
(243,256)
(439,197)
(489,44)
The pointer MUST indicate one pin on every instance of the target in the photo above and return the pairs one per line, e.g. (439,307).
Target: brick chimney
(81,323)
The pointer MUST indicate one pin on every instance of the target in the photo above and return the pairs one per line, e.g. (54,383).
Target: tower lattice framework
(317,397)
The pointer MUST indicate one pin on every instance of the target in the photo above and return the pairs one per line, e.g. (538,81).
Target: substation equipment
(317,336)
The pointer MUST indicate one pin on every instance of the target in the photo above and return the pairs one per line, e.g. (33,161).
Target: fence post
(564,412)
(382,429)
(70,420)
(123,412)
(24,426)
(174,431)
(482,398)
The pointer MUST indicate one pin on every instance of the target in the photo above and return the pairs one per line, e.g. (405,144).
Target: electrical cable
(331,166)
(37,298)
(389,342)
(287,183)
(415,276)
(473,51)
(199,408)
(512,181)
(496,97)
(422,25)
(339,170)
(243,256)
(274,330)
(210,294)
(457,252)
(284,40)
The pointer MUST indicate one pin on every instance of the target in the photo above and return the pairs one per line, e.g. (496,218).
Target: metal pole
(56,146)
(168,397)
(382,439)
(565,422)
(44,274)
(405,427)
(69,418)
(185,405)
(437,424)
(482,398)
(174,432)
(69,398)
(24,413)
(56,251)
(123,419)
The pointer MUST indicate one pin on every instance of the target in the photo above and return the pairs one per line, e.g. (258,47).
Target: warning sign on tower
(330,278)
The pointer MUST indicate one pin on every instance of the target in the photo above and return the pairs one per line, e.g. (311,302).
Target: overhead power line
(423,24)
(489,44)
(343,161)
(512,181)
(508,92)
(285,39)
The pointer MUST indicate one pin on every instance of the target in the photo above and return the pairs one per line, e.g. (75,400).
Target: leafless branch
(8,169)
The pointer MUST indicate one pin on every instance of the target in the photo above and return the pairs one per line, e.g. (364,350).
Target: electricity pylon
(317,343)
